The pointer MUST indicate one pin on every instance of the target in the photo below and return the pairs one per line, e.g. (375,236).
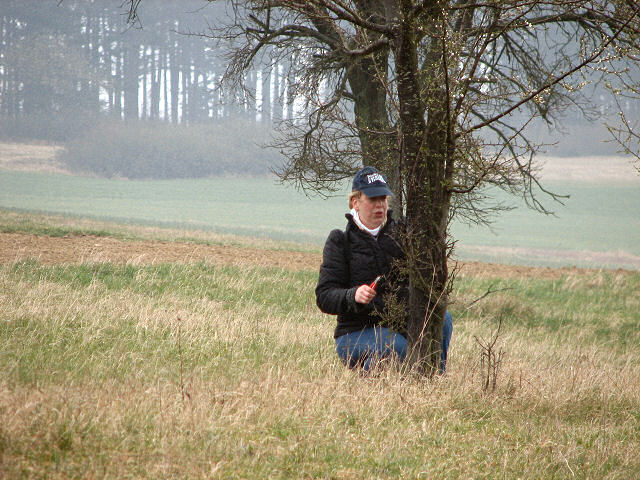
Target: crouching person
(352,261)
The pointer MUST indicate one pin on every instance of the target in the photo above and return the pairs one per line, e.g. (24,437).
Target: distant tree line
(81,57)
(65,66)
(141,101)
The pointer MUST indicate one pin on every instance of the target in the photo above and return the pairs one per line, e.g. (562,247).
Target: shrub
(143,149)
(58,128)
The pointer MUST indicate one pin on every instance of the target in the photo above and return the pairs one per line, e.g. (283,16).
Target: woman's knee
(378,342)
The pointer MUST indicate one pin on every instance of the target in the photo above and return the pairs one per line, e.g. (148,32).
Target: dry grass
(617,169)
(23,157)
(100,379)
(91,384)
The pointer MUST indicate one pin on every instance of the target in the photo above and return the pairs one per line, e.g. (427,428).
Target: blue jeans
(447,331)
(366,347)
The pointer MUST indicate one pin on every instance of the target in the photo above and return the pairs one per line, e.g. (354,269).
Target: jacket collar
(351,224)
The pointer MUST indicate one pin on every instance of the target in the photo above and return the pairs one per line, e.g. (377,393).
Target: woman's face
(372,211)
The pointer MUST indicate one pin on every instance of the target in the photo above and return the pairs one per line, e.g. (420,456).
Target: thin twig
(486,294)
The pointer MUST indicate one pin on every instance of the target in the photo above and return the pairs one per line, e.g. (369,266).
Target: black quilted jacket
(351,258)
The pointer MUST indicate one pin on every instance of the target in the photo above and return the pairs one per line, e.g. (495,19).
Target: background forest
(76,73)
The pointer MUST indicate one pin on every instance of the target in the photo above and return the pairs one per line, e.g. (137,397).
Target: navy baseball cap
(371,182)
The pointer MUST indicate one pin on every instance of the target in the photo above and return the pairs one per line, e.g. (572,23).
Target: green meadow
(598,225)
(202,370)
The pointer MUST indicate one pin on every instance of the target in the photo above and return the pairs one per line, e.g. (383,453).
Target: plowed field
(75,249)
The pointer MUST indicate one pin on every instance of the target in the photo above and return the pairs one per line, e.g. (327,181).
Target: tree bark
(423,157)
(130,80)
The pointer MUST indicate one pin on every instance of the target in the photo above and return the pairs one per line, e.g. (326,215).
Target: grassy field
(598,227)
(200,369)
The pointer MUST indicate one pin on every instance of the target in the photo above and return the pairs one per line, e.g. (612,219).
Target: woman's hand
(364,294)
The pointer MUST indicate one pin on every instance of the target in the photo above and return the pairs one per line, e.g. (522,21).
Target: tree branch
(555,80)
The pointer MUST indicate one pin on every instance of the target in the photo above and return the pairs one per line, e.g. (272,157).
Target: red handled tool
(374,284)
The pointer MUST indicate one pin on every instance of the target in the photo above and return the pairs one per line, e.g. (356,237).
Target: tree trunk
(368,80)
(423,157)
(147,68)
(370,110)
(175,82)
(130,79)
(165,87)
(156,76)
(266,95)
(186,73)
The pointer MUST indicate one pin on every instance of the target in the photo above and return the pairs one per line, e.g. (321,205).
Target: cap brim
(377,191)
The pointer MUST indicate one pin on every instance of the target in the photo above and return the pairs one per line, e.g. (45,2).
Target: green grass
(27,224)
(227,290)
(598,217)
(256,207)
(600,308)
(212,371)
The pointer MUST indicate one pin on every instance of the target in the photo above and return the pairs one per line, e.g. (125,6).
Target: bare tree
(436,93)
(626,132)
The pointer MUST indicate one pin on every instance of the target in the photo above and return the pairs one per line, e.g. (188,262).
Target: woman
(352,260)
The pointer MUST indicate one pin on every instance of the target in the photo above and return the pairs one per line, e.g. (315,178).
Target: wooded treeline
(80,57)
(64,65)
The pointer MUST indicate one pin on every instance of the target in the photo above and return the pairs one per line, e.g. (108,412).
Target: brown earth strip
(76,249)
(86,248)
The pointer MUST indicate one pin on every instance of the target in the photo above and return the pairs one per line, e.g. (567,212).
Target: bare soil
(76,249)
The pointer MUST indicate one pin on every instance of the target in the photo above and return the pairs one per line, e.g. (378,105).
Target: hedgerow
(145,149)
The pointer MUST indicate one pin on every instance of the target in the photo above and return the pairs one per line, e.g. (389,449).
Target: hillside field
(137,352)
(598,226)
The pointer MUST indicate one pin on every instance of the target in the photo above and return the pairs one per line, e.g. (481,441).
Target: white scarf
(362,226)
